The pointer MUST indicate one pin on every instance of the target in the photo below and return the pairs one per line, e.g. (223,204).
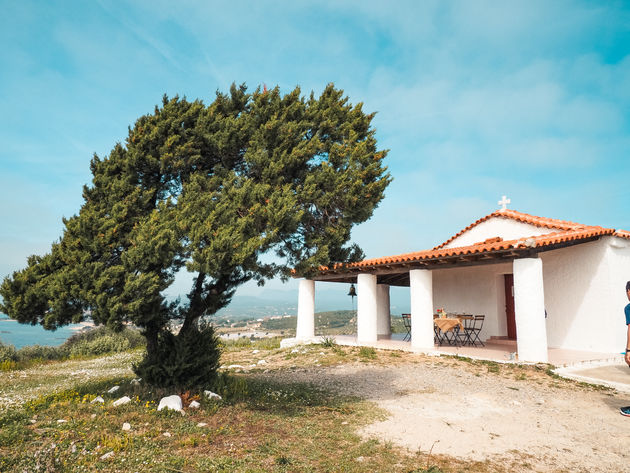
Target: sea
(20,335)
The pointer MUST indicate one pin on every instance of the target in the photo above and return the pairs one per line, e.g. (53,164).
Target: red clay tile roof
(519,217)
(568,231)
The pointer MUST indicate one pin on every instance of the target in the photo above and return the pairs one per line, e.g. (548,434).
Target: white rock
(255,351)
(136,381)
(173,402)
(211,395)
(113,389)
(295,350)
(126,426)
(234,367)
(262,362)
(93,416)
(345,422)
(107,455)
(62,421)
(97,399)
(33,421)
(252,366)
(121,401)
(166,434)
(194,405)
(201,424)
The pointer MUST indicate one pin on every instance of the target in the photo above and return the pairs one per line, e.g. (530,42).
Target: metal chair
(469,324)
(406,318)
(475,330)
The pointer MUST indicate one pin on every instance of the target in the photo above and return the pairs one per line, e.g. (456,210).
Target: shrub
(328,342)
(100,346)
(7,353)
(183,361)
(40,352)
(367,352)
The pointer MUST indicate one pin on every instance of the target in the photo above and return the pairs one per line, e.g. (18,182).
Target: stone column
(421,291)
(529,310)
(383,312)
(366,308)
(306,310)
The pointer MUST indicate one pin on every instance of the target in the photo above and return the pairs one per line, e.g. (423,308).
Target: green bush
(99,346)
(7,353)
(40,352)
(183,361)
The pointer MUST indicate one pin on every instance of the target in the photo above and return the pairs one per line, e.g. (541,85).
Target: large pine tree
(213,189)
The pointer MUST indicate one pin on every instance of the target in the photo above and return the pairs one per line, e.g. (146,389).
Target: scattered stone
(322,353)
(121,401)
(255,351)
(93,416)
(201,424)
(262,362)
(360,459)
(62,421)
(107,455)
(33,421)
(345,422)
(252,366)
(173,403)
(97,399)
(126,426)
(211,395)
(234,367)
(194,405)
(136,381)
(166,434)
(295,350)
(113,389)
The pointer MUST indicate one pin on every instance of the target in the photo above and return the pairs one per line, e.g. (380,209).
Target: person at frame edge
(627,311)
(626,410)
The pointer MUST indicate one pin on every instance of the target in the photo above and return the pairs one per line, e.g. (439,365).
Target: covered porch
(505,284)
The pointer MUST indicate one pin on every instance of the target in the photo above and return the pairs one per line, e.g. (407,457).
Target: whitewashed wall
(505,228)
(475,290)
(585,295)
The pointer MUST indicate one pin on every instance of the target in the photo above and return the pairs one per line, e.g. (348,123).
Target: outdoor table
(448,326)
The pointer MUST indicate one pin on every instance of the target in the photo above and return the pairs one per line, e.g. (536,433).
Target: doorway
(509,306)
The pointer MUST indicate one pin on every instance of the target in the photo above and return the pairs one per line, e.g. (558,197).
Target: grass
(260,426)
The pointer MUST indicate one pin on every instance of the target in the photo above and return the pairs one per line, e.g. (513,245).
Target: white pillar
(529,310)
(383,312)
(306,310)
(421,291)
(366,308)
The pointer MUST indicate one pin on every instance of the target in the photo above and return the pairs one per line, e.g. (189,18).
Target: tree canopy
(215,189)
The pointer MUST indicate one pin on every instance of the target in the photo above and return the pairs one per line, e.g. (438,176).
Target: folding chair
(475,330)
(406,318)
(469,324)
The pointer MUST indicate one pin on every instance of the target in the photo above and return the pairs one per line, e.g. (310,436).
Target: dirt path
(468,412)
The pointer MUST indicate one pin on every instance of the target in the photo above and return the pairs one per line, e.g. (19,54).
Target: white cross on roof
(503,202)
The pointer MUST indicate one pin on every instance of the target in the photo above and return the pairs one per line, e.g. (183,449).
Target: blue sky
(475,99)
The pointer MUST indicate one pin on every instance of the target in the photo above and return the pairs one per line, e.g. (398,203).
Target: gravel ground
(459,410)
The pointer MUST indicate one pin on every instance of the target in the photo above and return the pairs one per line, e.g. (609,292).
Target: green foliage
(94,342)
(8,353)
(102,340)
(328,342)
(213,190)
(368,353)
(190,360)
